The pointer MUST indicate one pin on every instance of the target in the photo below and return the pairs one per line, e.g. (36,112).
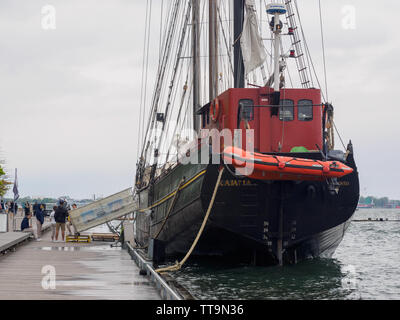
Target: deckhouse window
(286,110)
(246,109)
(305,108)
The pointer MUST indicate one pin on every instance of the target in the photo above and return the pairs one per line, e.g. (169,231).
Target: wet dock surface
(80,270)
(10,239)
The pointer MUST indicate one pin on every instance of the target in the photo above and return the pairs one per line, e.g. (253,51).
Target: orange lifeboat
(271,167)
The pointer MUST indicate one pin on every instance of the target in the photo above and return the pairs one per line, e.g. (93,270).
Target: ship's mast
(213,49)
(276,10)
(196,61)
(238,18)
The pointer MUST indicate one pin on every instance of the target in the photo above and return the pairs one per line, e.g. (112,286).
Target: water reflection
(365,266)
(88,248)
(313,279)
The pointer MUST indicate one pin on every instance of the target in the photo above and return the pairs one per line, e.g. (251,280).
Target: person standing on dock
(13,207)
(60,216)
(39,214)
(69,224)
(53,223)
(12,211)
(27,208)
(35,208)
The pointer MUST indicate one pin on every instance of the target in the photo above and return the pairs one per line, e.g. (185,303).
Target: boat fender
(326,169)
(214,110)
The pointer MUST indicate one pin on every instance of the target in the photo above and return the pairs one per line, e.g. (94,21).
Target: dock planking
(11,239)
(81,271)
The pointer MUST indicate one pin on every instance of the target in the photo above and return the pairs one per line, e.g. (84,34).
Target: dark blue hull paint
(251,220)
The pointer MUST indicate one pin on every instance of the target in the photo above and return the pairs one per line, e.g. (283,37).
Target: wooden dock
(39,270)
(9,240)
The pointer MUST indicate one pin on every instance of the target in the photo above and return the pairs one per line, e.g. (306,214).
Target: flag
(15,189)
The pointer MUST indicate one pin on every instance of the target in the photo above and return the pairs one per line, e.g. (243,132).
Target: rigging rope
(142,104)
(179,265)
(161,72)
(323,49)
(171,206)
(337,131)
(308,53)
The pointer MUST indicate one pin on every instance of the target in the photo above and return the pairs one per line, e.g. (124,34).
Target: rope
(337,131)
(169,209)
(179,265)
(145,57)
(323,50)
(330,133)
(171,206)
(308,53)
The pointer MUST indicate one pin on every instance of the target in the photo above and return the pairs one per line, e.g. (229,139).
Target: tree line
(379,202)
(4,183)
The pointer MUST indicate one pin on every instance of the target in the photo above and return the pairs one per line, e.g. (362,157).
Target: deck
(80,271)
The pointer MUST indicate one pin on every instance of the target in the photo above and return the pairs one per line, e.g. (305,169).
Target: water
(365,266)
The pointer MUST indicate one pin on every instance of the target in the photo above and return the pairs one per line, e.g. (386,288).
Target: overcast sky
(69,96)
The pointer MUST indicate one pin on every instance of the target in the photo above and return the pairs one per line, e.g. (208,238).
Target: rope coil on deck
(179,265)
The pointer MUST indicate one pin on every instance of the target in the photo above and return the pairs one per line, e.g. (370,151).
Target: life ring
(214,110)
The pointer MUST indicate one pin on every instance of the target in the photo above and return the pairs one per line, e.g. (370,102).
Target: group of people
(8,207)
(59,220)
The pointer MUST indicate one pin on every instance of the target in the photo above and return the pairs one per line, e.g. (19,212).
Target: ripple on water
(365,266)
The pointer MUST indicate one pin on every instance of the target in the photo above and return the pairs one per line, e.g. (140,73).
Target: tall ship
(237,139)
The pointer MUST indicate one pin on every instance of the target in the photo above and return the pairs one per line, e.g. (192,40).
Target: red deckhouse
(297,122)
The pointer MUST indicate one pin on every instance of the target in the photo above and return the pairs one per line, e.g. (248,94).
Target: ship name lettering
(235,183)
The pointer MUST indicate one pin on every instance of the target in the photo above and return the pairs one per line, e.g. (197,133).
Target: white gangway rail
(104,210)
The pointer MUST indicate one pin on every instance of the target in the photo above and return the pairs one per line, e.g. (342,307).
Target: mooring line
(179,265)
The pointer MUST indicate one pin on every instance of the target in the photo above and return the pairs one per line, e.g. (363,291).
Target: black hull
(251,221)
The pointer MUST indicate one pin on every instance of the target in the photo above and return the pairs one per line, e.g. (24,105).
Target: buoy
(214,110)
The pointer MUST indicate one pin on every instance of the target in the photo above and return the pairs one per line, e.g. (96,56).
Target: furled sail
(253,50)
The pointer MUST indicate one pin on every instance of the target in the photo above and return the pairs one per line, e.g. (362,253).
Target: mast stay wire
(147,61)
(142,107)
(176,76)
(184,94)
(308,53)
(323,49)
(170,31)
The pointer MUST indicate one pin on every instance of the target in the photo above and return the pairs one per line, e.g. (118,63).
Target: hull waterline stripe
(167,197)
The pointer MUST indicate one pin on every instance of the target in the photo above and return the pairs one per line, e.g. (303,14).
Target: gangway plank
(105,210)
